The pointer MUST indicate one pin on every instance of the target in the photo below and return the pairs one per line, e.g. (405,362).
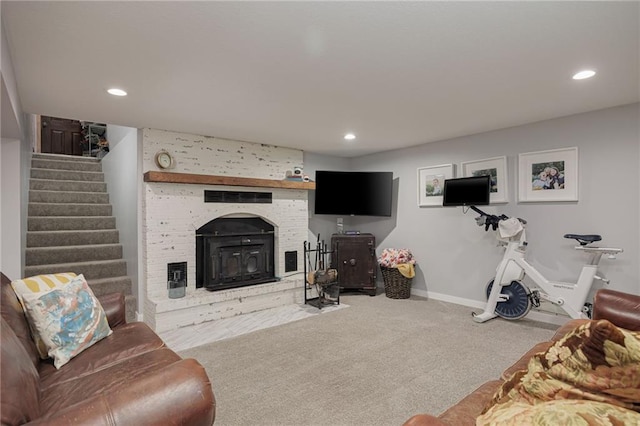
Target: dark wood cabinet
(354,256)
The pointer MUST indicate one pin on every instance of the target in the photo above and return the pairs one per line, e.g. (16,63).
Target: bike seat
(584,239)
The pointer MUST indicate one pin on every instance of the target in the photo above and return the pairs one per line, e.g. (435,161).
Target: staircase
(70,227)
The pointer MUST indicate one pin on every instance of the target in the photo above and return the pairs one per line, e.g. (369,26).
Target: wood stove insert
(234,252)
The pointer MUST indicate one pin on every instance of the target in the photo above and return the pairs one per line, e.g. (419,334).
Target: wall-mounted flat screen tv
(353,193)
(468,191)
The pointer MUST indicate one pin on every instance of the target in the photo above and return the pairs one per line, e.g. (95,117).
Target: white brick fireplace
(172,212)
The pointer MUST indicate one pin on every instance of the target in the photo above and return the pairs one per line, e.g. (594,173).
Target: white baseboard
(532,315)
(419,293)
(447,298)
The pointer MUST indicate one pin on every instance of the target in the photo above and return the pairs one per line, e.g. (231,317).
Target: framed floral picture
(497,169)
(548,175)
(431,183)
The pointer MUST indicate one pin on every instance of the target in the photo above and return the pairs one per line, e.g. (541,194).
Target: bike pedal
(535,298)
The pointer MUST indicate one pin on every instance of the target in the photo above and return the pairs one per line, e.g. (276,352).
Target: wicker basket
(396,285)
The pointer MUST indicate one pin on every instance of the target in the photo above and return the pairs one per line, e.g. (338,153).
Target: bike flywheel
(518,303)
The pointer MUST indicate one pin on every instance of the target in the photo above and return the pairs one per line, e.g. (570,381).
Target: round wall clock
(164,160)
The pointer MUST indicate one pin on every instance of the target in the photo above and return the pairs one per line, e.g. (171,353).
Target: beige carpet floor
(377,362)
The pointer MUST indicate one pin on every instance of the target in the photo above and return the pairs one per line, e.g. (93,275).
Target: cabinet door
(355,261)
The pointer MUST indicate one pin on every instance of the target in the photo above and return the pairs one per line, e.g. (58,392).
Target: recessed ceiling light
(349,136)
(584,74)
(117,92)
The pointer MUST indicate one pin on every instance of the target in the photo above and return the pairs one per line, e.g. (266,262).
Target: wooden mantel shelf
(190,178)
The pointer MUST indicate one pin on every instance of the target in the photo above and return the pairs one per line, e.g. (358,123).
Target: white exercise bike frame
(571,297)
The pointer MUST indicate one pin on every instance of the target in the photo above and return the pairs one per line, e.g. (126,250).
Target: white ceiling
(301,74)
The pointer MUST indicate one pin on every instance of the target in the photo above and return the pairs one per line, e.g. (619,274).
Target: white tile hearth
(200,334)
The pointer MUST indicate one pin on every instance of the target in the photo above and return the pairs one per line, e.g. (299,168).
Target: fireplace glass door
(230,256)
(240,264)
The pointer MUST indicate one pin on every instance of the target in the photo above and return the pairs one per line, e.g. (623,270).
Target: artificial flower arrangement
(391,258)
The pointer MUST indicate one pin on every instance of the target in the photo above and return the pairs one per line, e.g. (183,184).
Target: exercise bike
(511,299)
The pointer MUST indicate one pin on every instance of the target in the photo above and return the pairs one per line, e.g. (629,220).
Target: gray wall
(15,156)
(121,171)
(456,257)
(11,252)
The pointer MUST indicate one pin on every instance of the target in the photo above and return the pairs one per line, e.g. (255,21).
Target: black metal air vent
(238,197)
(290,261)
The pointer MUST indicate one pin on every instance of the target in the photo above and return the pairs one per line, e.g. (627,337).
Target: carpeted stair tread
(67,175)
(69,209)
(91,270)
(72,237)
(76,197)
(67,185)
(56,164)
(69,223)
(71,227)
(101,286)
(62,157)
(69,254)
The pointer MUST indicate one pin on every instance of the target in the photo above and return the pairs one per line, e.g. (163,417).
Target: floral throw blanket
(589,377)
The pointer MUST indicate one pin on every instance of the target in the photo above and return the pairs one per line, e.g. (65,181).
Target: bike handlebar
(490,220)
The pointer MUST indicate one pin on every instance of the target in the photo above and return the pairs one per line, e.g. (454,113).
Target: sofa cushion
(126,341)
(597,361)
(118,377)
(68,319)
(19,395)
(179,394)
(35,285)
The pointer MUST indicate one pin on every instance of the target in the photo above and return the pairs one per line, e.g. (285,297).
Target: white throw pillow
(36,285)
(68,319)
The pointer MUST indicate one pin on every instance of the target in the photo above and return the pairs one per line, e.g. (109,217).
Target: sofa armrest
(179,394)
(622,309)
(114,307)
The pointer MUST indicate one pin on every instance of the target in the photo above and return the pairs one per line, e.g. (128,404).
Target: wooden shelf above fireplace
(190,178)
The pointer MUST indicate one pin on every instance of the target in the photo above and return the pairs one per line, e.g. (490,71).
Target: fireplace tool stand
(321,285)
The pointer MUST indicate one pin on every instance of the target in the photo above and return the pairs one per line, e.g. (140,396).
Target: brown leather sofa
(128,378)
(619,308)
